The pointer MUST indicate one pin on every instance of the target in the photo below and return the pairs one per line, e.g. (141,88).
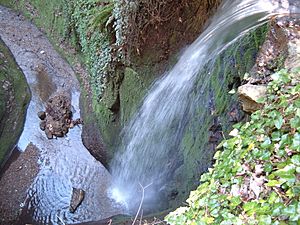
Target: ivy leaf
(296,160)
(235,201)
(250,207)
(297,103)
(275,183)
(278,122)
(265,220)
(295,122)
(296,142)
(268,167)
(266,143)
(208,220)
(291,210)
(288,173)
(296,191)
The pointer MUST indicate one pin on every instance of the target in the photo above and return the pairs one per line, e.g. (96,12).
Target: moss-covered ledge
(14,98)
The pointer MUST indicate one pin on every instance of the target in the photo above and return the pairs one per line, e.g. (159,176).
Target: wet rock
(57,118)
(249,95)
(43,125)
(42,115)
(215,137)
(236,114)
(92,140)
(77,198)
(48,134)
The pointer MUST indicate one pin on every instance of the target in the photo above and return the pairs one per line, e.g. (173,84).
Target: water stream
(64,162)
(155,132)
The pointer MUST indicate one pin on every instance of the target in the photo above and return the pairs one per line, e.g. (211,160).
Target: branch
(141,203)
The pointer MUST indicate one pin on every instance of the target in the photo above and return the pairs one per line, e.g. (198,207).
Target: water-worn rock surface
(14,98)
(64,163)
(16,177)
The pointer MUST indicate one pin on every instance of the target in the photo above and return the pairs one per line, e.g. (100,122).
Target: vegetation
(255,178)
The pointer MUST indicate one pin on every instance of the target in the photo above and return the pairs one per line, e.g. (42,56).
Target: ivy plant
(256,175)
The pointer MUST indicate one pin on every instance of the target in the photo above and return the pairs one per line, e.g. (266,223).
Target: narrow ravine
(64,163)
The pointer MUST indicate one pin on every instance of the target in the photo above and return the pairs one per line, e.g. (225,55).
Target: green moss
(14,97)
(131,92)
(213,106)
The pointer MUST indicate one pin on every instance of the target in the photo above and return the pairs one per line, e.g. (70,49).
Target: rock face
(57,119)
(77,198)
(249,95)
(92,140)
(14,98)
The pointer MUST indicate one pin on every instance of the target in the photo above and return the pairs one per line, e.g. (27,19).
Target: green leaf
(208,220)
(261,100)
(285,139)
(277,209)
(250,207)
(276,136)
(278,122)
(291,210)
(268,167)
(235,201)
(267,142)
(295,122)
(288,173)
(264,220)
(297,103)
(296,142)
(296,191)
(275,183)
(296,160)
(273,198)
(273,114)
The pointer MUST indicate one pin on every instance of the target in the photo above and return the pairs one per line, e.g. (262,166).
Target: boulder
(249,95)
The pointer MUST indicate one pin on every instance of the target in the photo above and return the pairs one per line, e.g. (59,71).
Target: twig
(61,220)
(141,203)
(141,217)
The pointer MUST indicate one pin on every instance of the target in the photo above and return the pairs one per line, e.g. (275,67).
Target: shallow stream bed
(63,163)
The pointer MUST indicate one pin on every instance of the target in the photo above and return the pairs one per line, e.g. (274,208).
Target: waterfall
(155,131)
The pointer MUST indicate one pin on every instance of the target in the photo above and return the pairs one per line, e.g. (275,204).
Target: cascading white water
(155,131)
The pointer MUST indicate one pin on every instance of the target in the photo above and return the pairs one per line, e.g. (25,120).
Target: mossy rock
(214,105)
(14,98)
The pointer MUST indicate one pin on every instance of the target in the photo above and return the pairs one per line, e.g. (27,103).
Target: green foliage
(101,17)
(85,17)
(255,178)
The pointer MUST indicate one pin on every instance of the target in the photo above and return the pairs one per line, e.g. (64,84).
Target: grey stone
(249,95)
(77,198)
